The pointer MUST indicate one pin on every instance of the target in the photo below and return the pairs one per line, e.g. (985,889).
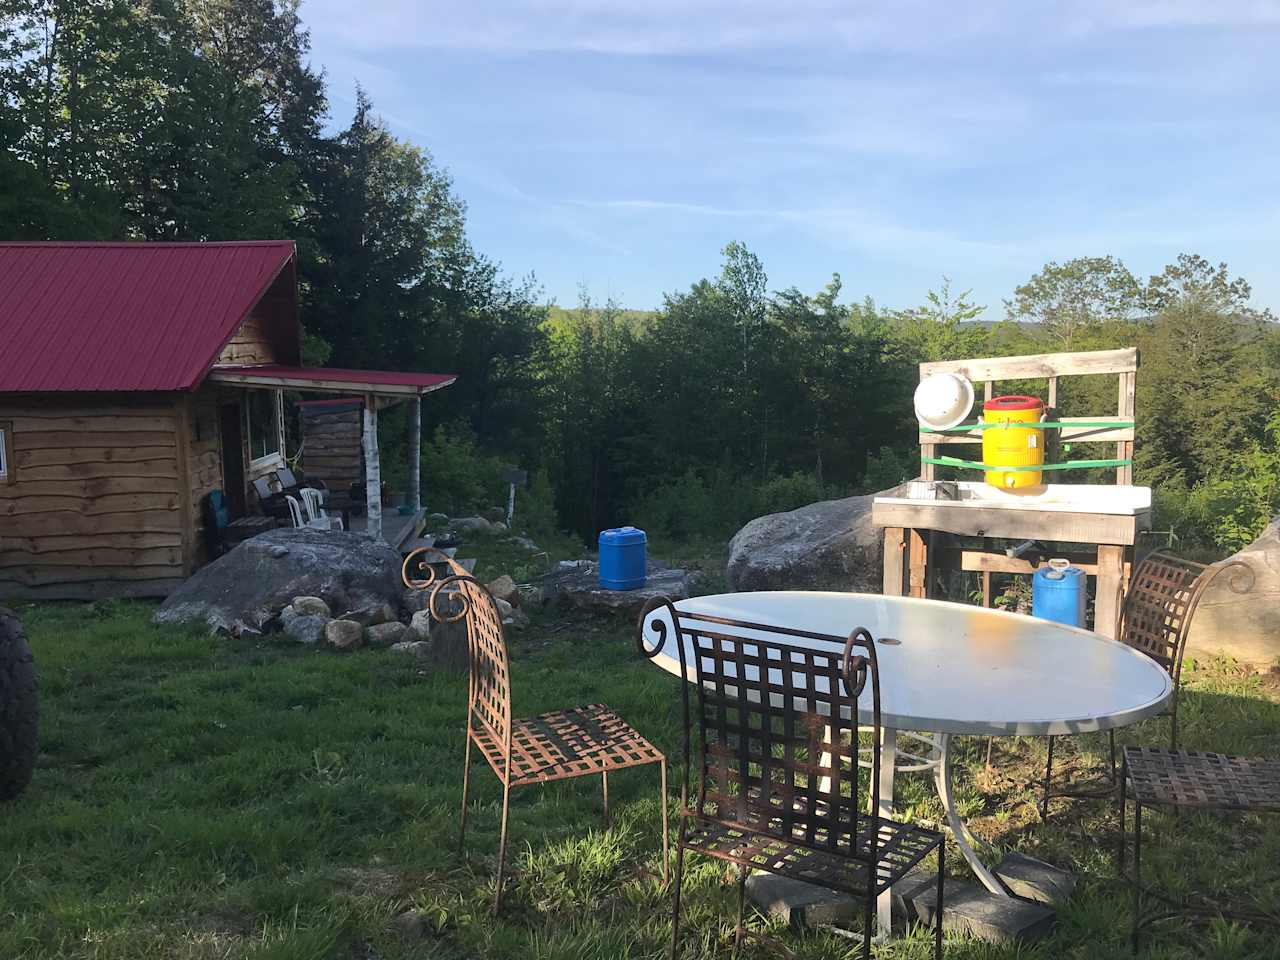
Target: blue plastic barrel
(1058,593)
(622,558)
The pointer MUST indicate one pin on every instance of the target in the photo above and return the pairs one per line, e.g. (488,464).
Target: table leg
(964,839)
(888,767)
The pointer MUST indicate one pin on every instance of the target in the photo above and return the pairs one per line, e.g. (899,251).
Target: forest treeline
(203,120)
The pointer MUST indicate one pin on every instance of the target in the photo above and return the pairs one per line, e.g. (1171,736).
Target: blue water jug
(622,558)
(1058,593)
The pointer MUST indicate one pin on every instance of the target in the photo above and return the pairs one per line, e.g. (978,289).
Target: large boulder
(245,589)
(1243,625)
(829,545)
(578,583)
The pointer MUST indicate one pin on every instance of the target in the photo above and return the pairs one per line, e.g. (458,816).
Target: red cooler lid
(1013,403)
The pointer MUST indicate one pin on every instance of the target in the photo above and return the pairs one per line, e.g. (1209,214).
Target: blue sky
(619,144)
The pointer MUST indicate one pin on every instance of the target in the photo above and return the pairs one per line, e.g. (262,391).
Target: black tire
(19,708)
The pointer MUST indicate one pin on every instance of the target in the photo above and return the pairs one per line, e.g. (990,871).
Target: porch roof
(383,383)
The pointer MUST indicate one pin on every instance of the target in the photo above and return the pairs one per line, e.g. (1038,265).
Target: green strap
(1032,424)
(1068,465)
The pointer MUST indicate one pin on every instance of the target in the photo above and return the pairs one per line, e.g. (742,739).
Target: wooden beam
(1011,524)
(1124,445)
(995,561)
(1110,591)
(918,560)
(324,386)
(1038,366)
(894,549)
(187,510)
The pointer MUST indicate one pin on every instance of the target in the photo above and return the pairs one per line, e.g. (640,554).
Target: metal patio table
(950,669)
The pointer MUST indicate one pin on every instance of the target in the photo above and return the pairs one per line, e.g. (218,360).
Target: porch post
(415,453)
(372,469)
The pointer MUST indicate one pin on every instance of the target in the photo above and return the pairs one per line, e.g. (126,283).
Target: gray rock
(499,526)
(579,585)
(251,584)
(412,925)
(415,600)
(1243,625)
(437,519)
(526,544)
(798,903)
(304,627)
(504,588)
(386,634)
(829,545)
(344,634)
(372,614)
(495,515)
(278,551)
(1034,879)
(312,606)
(417,648)
(420,625)
(970,910)
(504,608)
(471,525)
(517,619)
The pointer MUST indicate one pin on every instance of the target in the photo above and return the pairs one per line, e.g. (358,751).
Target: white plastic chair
(295,511)
(313,500)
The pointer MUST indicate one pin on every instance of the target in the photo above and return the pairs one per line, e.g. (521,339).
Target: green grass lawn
(206,797)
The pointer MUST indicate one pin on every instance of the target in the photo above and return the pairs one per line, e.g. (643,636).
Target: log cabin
(136,378)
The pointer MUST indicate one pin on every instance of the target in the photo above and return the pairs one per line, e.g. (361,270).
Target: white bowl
(943,400)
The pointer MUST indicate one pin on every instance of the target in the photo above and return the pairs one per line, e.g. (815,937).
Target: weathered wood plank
(70,455)
(34,576)
(1124,448)
(72,542)
(87,421)
(894,550)
(1037,366)
(1110,591)
(89,506)
(164,469)
(91,589)
(89,438)
(1014,524)
(918,562)
(88,553)
(991,561)
(24,490)
(74,523)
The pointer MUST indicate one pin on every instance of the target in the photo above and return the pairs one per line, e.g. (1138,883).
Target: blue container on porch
(1058,593)
(622,558)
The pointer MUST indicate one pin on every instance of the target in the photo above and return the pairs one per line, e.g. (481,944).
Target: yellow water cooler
(1017,441)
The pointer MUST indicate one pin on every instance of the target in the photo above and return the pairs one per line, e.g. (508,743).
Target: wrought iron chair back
(1164,592)
(489,667)
(778,729)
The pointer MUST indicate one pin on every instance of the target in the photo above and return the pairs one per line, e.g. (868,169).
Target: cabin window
(263,411)
(6,431)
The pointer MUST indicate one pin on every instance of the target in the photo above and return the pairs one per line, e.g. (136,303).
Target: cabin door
(231,419)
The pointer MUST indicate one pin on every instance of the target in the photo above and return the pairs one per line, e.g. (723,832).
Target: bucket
(622,558)
(1013,446)
(1058,593)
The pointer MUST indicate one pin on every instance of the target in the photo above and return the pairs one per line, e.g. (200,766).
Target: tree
(942,328)
(1073,299)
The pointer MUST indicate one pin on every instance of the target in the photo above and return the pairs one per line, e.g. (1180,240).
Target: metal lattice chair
(778,786)
(1172,778)
(1155,619)
(560,745)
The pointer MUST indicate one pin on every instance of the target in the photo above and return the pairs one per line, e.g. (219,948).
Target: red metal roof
(332,379)
(125,316)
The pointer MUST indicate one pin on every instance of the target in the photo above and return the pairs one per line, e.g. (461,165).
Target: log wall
(331,442)
(95,504)
(250,344)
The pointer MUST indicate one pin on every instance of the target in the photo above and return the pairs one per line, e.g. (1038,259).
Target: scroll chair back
(1164,592)
(489,666)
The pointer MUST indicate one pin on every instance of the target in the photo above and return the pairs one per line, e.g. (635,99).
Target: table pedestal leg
(964,840)
(888,766)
